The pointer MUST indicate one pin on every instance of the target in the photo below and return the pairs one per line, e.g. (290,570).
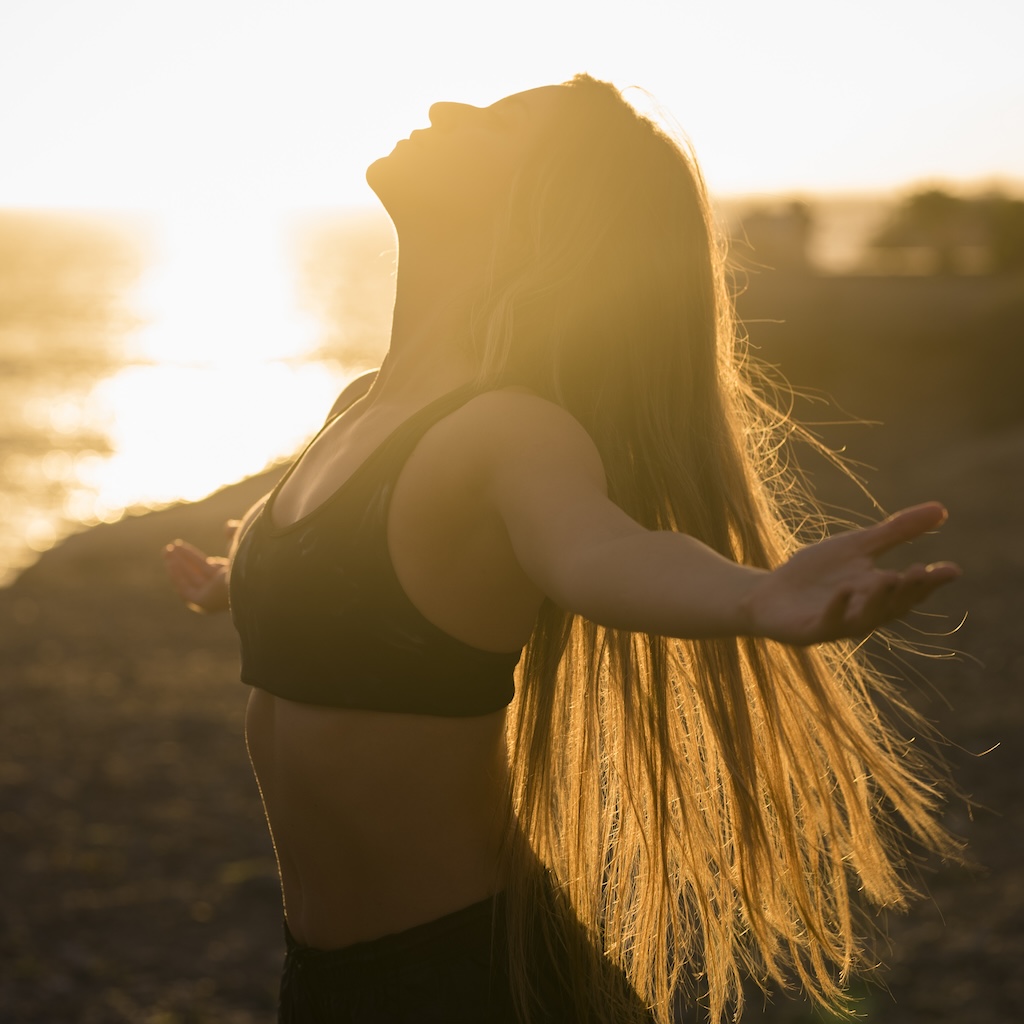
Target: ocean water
(144,362)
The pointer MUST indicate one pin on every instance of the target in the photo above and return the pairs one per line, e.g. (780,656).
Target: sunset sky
(150,103)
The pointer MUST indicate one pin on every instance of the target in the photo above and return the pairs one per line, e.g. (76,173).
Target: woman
(562,463)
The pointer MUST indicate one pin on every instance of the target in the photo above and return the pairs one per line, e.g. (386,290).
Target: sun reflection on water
(223,383)
(220,291)
(218,373)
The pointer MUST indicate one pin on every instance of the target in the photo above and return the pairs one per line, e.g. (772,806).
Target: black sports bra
(323,618)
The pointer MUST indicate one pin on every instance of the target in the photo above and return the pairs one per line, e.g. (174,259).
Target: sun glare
(219,292)
(221,381)
(133,396)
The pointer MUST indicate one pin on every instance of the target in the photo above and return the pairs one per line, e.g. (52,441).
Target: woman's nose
(442,114)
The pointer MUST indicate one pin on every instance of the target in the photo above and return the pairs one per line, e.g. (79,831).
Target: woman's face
(459,167)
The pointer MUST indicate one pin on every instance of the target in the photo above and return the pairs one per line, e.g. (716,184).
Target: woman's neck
(430,349)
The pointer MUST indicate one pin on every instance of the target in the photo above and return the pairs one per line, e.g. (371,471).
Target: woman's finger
(189,551)
(902,526)
(901,592)
(939,573)
(185,566)
(932,577)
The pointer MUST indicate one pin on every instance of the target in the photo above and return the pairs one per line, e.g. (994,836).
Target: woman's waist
(373,814)
(335,834)
(334,904)
(352,876)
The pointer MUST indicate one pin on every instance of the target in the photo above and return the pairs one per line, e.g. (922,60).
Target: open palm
(835,588)
(199,580)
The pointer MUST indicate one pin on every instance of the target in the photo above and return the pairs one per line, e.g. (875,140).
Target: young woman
(563,465)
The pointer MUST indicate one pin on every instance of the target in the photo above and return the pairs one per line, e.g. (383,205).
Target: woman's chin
(376,170)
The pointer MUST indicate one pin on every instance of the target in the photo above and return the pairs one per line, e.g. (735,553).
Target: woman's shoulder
(352,392)
(512,425)
(522,407)
(521,412)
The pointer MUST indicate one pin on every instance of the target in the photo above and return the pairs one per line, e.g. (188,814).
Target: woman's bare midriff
(380,821)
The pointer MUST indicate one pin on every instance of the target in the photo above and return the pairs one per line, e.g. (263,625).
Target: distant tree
(777,237)
(1005,218)
(947,224)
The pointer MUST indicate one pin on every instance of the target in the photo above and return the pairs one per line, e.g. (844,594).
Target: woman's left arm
(546,481)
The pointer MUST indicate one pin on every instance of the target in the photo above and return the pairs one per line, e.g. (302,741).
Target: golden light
(222,380)
(236,110)
(220,291)
(216,371)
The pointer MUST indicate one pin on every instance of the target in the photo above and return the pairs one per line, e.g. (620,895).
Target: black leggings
(448,971)
(453,970)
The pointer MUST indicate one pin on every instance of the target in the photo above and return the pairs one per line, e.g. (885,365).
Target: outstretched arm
(199,580)
(545,479)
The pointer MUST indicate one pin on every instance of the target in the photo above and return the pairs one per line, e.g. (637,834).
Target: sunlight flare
(223,382)
(220,291)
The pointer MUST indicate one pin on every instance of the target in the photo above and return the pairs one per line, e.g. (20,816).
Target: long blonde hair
(702,810)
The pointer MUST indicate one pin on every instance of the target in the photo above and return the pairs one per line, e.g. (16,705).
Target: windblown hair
(703,810)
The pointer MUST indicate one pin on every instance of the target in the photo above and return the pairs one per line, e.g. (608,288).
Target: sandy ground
(136,878)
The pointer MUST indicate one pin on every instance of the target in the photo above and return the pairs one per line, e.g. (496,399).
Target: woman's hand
(199,580)
(834,589)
